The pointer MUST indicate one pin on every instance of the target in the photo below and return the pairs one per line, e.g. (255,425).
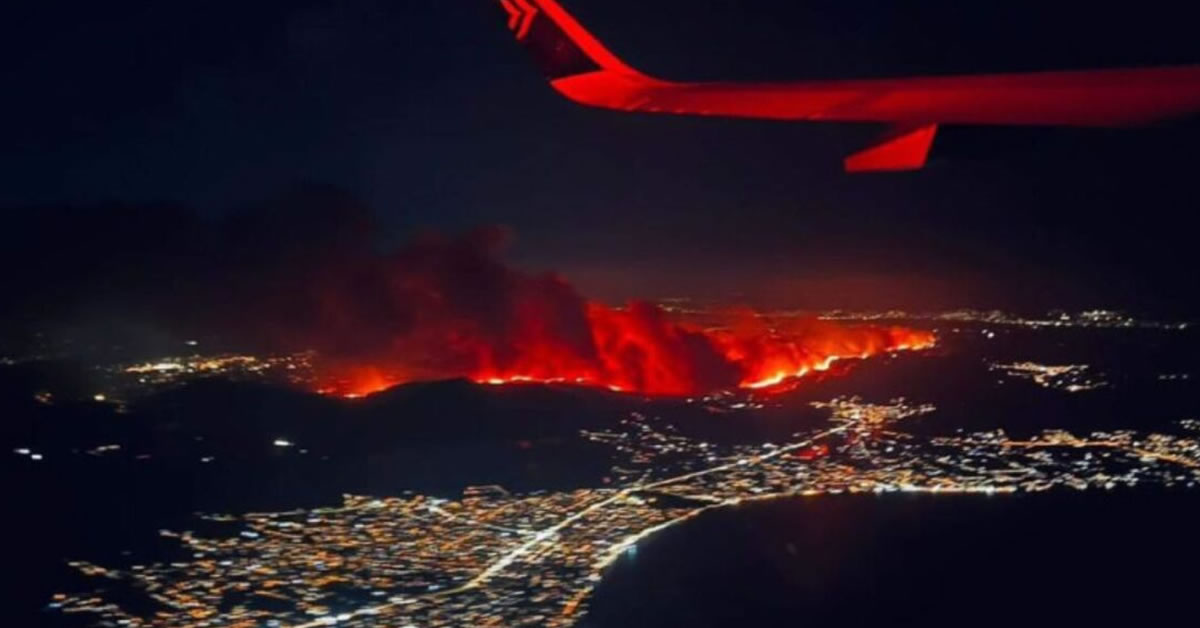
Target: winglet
(560,45)
(905,148)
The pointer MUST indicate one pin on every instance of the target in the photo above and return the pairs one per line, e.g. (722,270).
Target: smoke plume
(307,272)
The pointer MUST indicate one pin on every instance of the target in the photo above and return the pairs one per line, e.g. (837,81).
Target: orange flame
(639,349)
(444,309)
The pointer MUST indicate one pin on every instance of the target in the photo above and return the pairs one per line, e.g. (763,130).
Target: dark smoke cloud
(306,270)
(254,276)
(274,273)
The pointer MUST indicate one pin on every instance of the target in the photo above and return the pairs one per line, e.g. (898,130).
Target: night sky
(428,112)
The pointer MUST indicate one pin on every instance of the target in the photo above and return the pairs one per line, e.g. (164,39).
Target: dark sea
(1057,559)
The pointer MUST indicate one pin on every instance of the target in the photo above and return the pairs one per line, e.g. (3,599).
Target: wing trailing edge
(583,70)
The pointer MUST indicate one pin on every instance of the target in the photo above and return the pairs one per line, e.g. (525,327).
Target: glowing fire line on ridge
(640,350)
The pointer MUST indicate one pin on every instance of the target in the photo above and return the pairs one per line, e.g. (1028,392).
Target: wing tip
(560,45)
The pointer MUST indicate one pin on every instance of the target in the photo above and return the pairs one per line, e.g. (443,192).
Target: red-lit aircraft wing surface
(585,71)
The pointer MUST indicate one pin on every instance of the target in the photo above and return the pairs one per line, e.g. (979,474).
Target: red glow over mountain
(640,349)
(445,308)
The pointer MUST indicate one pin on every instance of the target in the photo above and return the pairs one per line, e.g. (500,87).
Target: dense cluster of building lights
(492,558)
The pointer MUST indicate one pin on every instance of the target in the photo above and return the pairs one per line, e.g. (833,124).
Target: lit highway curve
(549,533)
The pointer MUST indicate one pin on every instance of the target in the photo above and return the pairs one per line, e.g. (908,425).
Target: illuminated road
(536,541)
(493,558)
(548,534)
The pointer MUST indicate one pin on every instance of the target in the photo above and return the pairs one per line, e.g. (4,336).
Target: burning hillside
(459,312)
(312,271)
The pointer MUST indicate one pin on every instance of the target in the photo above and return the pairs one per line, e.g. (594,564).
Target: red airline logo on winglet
(520,16)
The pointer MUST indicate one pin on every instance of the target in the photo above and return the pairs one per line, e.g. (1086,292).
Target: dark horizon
(429,119)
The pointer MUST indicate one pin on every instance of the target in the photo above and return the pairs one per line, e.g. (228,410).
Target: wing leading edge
(582,69)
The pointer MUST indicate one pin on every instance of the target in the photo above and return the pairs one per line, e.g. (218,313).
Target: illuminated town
(296,369)
(492,558)
(1070,377)
(1101,319)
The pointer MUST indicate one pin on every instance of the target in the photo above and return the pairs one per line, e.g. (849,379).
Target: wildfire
(356,382)
(640,349)
(448,308)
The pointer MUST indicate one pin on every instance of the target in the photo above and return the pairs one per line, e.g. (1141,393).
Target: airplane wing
(582,69)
